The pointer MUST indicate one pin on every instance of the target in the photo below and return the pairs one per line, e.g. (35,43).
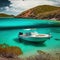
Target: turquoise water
(10,22)
(10,36)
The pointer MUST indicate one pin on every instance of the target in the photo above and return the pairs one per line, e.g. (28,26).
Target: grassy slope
(42,11)
(44,8)
(5,15)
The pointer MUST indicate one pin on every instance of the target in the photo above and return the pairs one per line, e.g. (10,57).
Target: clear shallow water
(18,22)
(10,37)
(7,22)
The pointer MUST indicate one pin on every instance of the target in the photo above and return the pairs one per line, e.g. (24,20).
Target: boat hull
(34,39)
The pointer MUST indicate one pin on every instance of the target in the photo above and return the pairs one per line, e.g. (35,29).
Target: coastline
(37,55)
(31,53)
(31,18)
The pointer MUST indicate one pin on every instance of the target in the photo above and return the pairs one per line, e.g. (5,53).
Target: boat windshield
(28,34)
(31,34)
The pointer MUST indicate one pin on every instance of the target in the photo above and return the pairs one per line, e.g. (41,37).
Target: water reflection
(37,44)
(57,39)
(56,33)
(55,30)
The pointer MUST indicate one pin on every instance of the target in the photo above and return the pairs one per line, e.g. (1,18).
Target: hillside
(42,12)
(5,15)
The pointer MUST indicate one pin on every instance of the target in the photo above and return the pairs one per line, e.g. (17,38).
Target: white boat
(35,37)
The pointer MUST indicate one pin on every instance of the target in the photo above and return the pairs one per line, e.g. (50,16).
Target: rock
(9,51)
(41,52)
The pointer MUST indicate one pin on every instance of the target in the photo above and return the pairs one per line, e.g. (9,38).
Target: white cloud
(7,8)
(29,3)
(18,6)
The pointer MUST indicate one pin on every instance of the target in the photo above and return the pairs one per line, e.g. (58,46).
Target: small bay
(9,33)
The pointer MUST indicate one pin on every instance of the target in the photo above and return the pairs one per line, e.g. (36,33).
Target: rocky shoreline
(39,56)
(14,53)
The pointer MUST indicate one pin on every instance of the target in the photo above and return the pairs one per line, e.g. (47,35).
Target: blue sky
(15,7)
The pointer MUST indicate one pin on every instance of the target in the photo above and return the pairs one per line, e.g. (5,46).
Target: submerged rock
(12,53)
(41,52)
(9,51)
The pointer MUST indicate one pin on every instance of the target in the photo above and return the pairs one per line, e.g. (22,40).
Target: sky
(15,7)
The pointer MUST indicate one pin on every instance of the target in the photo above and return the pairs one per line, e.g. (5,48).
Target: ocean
(9,33)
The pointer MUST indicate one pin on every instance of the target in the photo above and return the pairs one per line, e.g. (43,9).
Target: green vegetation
(44,8)
(42,12)
(5,15)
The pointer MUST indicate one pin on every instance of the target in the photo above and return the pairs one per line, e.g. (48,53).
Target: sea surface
(10,36)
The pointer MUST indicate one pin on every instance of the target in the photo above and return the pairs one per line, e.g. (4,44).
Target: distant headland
(42,12)
(2,15)
(39,12)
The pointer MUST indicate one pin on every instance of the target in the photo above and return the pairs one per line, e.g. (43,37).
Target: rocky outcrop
(40,56)
(42,12)
(9,51)
(12,53)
